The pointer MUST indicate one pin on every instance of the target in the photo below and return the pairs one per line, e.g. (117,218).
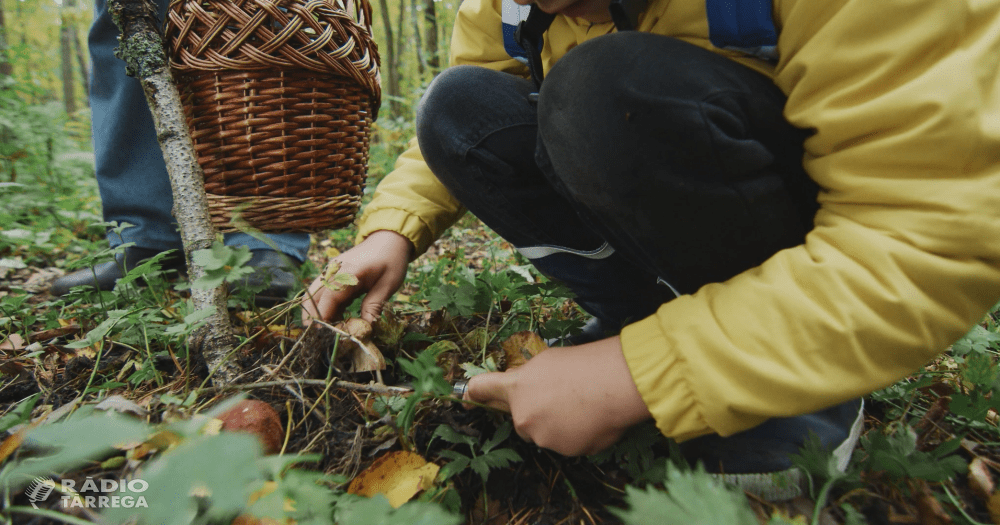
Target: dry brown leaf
(929,508)
(45,335)
(118,403)
(521,347)
(980,480)
(398,475)
(13,342)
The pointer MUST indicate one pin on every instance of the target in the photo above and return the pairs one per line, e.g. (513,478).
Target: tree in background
(431,31)
(6,68)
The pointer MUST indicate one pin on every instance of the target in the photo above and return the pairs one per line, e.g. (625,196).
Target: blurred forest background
(44,63)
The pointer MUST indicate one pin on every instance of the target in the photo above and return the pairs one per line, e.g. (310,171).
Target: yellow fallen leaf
(331,252)
(993,506)
(10,444)
(397,475)
(521,347)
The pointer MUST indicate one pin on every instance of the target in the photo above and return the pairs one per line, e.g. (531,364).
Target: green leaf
(20,414)
(221,263)
(453,467)
(451,436)
(207,475)
(500,458)
(853,516)
(101,331)
(147,267)
(354,510)
(692,498)
(74,443)
(978,339)
(980,370)
(502,433)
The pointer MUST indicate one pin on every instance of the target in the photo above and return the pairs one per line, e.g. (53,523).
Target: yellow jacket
(905,255)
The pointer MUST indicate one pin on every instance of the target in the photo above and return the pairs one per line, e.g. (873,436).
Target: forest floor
(928,453)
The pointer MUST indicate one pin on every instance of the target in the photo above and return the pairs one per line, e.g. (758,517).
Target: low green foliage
(428,379)
(202,477)
(222,264)
(897,455)
(483,456)
(690,498)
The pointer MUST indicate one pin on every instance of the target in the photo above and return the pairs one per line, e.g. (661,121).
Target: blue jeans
(131,173)
(648,168)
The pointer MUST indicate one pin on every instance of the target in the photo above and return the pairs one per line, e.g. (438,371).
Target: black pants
(649,168)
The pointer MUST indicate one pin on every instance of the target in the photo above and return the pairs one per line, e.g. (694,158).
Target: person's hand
(575,400)
(379,262)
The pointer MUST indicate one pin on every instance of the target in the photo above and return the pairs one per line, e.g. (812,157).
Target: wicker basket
(279,97)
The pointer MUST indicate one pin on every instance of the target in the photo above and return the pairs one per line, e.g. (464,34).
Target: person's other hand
(379,262)
(575,400)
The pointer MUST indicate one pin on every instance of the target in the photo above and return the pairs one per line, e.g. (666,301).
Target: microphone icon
(39,490)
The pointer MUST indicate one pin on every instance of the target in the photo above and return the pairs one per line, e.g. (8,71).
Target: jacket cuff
(400,221)
(659,374)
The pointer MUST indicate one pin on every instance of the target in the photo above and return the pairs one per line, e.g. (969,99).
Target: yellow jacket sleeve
(904,98)
(410,200)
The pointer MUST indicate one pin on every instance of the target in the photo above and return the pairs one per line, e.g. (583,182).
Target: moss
(143,54)
(141,44)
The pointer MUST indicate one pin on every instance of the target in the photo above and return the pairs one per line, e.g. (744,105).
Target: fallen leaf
(993,506)
(10,444)
(160,441)
(45,335)
(980,480)
(398,475)
(13,342)
(521,347)
(928,507)
(118,403)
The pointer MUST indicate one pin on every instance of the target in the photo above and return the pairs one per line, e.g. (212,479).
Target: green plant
(199,476)
(635,452)
(483,456)
(690,498)
(428,379)
(897,455)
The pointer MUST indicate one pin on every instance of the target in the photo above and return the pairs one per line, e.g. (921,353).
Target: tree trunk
(418,45)
(6,68)
(66,59)
(392,78)
(431,31)
(143,51)
(81,61)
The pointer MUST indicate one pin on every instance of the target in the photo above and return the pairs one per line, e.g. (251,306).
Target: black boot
(103,276)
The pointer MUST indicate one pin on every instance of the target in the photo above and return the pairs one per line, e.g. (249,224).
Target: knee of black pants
(462,106)
(627,102)
(685,151)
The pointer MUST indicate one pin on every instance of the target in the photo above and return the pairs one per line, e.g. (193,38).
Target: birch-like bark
(143,52)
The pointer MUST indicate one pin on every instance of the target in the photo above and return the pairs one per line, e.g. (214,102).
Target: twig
(346,385)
